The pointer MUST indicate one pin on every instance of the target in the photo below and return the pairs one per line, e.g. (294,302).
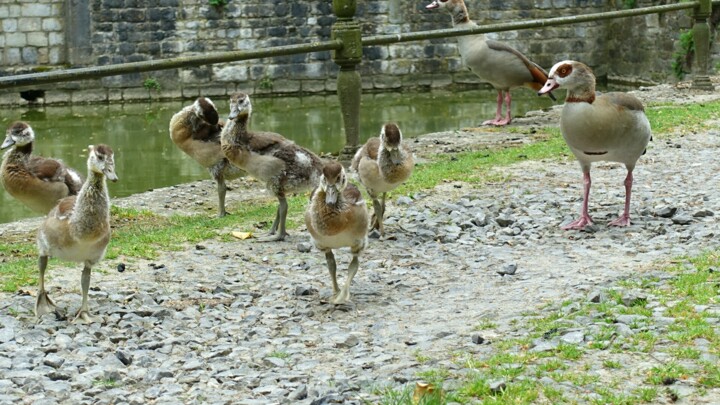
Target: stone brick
(15,10)
(36,10)
(230,73)
(37,39)
(9,25)
(51,24)
(312,86)
(15,40)
(88,96)
(4,11)
(30,55)
(136,94)
(56,55)
(13,56)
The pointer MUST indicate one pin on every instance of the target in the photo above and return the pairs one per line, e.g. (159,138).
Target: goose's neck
(19,154)
(236,129)
(92,206)
(581,95)
(459,14)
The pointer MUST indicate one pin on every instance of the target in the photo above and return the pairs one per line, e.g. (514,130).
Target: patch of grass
(485,324)
(279,354)
(691,117)
(612,364)
(666,374)
(18,273)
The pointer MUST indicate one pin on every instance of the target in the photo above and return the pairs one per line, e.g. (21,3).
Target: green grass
(575,367)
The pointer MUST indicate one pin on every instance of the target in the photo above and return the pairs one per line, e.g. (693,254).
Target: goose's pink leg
(498,111)
(499,120)
(624,219)
(584,219)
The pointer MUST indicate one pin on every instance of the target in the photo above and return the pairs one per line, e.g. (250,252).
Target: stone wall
(32,33)
(42,34)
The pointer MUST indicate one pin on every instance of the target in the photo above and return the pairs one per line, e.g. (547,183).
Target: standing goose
(337,217)
(284,166)
(196,131)
(383,164)
(78,229)
(494,62)
(37,182)
(609,127)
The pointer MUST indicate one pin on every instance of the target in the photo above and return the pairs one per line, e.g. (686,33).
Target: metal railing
(346,44)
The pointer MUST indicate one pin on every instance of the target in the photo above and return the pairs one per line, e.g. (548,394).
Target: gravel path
(249,323)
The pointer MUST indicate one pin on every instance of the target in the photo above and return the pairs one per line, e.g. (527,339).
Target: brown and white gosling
(382,164)
(337,217)
(78,229)
(36,181)
(611,127)
(282,165)
(196,131)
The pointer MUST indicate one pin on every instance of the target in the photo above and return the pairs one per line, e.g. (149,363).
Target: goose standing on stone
(282,165)
(609,127)
(337,217)
(196,131)
(494,62)
(382,164)
(78,229)
(37,182)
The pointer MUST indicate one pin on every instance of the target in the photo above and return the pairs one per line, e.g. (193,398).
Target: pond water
(146,158)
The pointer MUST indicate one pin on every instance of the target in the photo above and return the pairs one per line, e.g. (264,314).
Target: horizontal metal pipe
(96,72)
(518,25)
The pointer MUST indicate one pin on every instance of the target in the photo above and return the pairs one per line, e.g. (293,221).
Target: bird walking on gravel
(382,164)
(497,63)
(269,157)
(337,217)
(609,127)
(78,229)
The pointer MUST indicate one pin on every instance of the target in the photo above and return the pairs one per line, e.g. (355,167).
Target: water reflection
(145,157)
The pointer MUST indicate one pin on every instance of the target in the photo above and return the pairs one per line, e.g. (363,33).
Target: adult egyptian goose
(337,217)
(382,164)
(78,229)
(609,127)
(37,182)
(282,165)
(196,131)
(494,62)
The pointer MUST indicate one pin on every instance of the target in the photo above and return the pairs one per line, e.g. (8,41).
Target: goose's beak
(331,195)
(549,86)
(432,5)
(7,143)
(110,175)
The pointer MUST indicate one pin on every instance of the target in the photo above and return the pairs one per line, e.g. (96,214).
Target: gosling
(284,166)
(36,181)
(78,229)
(382,164)
(196,131)
(337,217)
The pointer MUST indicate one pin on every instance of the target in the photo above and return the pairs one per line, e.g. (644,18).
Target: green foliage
(218,3)
(151,83)
(682,58)
(628,4)
(266,83)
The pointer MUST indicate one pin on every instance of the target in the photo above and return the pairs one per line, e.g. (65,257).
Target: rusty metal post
(701,37)
(349,87)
